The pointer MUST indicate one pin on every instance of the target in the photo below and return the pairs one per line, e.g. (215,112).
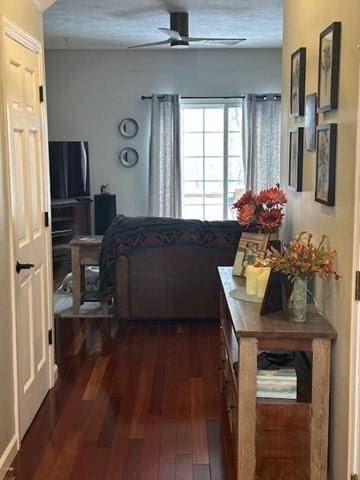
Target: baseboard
(7,457)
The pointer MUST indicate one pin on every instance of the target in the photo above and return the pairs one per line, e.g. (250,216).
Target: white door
(29,236)
(354,404)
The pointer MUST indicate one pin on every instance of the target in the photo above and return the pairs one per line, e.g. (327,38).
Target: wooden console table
(279,438)
(85,250)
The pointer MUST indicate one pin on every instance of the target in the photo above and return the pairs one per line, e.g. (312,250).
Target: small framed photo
(296,143)
(277,294)
(238,268)
(311,118)
(329,65)
(325,164)
(297,84)
(249,245)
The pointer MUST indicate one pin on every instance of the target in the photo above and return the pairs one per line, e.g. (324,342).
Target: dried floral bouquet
(302,258)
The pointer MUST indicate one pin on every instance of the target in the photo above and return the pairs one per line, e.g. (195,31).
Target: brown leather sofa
(172,282)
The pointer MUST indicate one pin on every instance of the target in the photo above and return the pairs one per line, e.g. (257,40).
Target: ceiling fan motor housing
(179,21)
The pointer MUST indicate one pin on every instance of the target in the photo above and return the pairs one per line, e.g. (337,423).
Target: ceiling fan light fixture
(178,34)
(179,21)
(179,43)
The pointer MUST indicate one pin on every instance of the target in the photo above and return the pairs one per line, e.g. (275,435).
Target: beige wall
(303,22)
(24,13)
(28,17)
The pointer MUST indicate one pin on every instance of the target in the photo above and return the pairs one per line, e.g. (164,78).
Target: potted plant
(264,210)
(300,260)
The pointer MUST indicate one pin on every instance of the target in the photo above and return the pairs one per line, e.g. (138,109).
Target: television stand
(70,217)
(82,199)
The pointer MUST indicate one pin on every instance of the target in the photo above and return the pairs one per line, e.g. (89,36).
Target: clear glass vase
(299,297)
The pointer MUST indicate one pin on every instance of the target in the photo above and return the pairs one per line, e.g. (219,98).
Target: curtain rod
(275,95)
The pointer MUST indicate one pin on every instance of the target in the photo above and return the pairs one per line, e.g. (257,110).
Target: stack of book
(280,383)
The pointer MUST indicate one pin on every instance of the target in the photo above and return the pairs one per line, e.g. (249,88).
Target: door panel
(36,193)
(19,186)
(25,320)
(14,85)
(30,90)
(29,232)
(39,308)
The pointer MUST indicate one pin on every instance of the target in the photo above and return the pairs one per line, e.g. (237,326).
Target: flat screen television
(69,170)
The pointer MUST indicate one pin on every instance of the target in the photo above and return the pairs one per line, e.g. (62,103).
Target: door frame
(13,31)
(354,397)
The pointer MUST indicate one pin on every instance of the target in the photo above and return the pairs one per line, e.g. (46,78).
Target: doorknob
(23,266)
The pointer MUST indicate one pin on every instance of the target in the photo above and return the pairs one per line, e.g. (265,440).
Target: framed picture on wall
(325,164)
(329,65)
(311,118)
(296,143)
(297,84)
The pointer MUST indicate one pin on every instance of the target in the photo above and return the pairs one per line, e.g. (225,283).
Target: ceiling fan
(178,34)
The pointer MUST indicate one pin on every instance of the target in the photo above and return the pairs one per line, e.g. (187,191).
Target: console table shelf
(274,438)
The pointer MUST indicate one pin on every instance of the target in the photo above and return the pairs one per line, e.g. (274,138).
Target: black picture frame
(311,120)
(296,150)
(329,67)
(326,136)
(277,294)
(297,82)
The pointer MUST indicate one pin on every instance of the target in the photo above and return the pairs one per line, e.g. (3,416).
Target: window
(216,162)
(212,159)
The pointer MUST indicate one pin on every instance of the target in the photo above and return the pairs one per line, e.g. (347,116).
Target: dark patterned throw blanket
(129,233)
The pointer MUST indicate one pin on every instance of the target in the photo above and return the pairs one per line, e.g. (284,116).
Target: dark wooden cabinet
(69,218)
(105,212)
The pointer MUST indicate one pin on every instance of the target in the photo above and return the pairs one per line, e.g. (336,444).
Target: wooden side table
(85,250)
(274,438)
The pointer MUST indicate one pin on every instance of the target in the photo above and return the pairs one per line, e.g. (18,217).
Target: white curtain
(165,160)
(261,141)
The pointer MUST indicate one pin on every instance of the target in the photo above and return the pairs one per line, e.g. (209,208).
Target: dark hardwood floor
(139,403)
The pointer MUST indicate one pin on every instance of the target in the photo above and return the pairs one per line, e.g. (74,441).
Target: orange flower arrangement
(302,258)
(264,209)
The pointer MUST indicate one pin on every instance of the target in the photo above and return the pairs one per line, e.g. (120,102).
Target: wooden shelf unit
(274,438)
(69,218)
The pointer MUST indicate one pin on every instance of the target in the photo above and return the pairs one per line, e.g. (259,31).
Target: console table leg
(76,278)
(320,408)
(247,408)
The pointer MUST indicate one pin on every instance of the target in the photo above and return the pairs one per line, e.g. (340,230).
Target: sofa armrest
(122,295)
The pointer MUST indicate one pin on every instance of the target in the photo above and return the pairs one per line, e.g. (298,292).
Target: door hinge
(46,219)
(41,93)
(357,285)
(50,337)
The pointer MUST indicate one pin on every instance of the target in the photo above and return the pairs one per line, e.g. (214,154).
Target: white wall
(89,92)
(303,213)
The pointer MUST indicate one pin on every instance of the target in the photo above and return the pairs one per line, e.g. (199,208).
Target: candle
(262,281)
(252,274)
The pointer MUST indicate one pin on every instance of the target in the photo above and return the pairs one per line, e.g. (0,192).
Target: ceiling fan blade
(229,41)
(172,34)
(164,42)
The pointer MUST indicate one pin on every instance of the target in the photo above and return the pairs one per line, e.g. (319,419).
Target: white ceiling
(73,24)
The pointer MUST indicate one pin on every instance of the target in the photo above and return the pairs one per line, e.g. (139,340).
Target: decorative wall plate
(128,157)
(128,127)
